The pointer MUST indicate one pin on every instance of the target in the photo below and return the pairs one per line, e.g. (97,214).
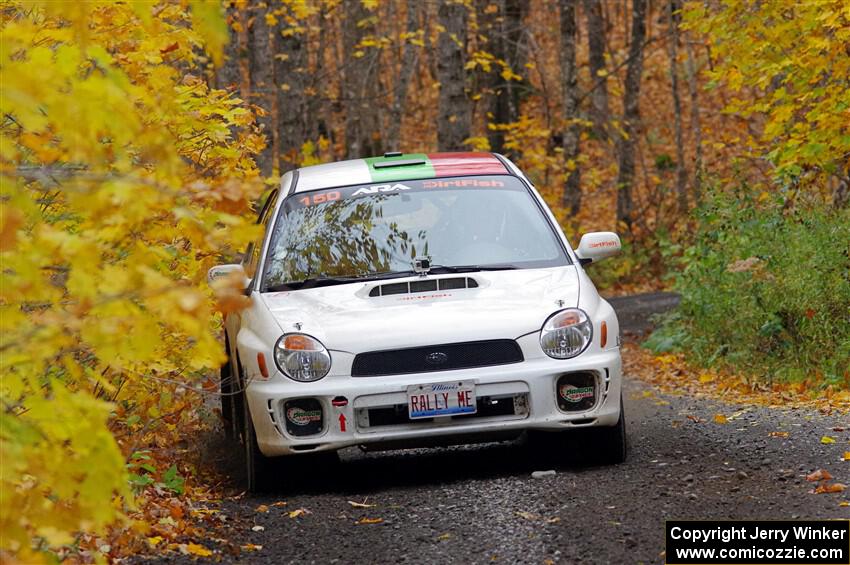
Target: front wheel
(261,473)
(609,445)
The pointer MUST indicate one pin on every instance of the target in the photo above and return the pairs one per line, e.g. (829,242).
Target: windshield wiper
(437,269)
(314,282)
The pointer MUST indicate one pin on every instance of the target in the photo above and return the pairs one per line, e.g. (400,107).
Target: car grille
(431,358)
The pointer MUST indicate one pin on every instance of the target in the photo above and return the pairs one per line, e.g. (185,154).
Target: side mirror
(598,245)
(224,271)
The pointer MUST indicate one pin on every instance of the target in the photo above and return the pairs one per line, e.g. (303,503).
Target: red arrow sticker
(342,422)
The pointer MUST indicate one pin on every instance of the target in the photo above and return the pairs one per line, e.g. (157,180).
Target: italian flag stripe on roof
(430,165)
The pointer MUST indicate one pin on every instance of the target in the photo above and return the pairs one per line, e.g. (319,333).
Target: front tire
(609,445)
(261,473)
(226,388)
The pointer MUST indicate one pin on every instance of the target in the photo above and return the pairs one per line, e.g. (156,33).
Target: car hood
(506,304)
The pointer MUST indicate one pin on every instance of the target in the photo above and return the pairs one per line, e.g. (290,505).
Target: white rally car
(417,299)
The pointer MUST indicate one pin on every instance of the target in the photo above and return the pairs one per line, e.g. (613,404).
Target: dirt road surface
(480,504)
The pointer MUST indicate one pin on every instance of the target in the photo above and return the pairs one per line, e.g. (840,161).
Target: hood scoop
(427,285)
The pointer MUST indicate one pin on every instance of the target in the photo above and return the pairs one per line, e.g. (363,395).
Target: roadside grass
(765,293)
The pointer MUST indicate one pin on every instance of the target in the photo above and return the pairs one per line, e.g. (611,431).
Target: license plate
(441,399)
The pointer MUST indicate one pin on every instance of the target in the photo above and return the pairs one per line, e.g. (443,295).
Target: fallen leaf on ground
(847,455)
(258,529)
(526,515)
(720,419)
(834,487)
(251,547)
(838,429)
(196,549)
(279,503)
(695,419)
(819,475)
(155,540)
(554,520)
(827,439)
(262,508)
(844,503)
(299,512)
(360,504)
(444,537)
(363,521)
(778,434)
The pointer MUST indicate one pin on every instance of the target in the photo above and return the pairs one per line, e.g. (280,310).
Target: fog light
(303,417)
(576,391)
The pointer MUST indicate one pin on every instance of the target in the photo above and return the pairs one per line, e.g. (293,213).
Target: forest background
(138,138)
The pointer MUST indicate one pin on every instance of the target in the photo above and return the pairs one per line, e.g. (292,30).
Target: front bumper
(523,397)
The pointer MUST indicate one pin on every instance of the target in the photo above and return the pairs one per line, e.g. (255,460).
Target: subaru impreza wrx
(410,300)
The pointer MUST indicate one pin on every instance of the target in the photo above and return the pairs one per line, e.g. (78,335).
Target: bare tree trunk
(409,63)
(229,75)
(631,115)
(509,43)
(596,48)
(673,50)
(571,198)
(359,81)
(489,84)
(515,54)
(263,87)
(290,67)
(696,130)
(455,113)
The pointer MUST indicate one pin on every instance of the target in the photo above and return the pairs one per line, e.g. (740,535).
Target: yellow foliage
(123,178)
(789,63)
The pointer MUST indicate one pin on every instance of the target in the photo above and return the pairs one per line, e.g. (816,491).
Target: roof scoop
(398,163)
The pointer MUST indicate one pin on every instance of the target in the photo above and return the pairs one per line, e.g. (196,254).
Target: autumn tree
(412,42)
(292,82)
(455,112)
(631,114)
(788,64)
(572,129)
(673,16)
(360,84)
(122,177)
(264,89)
(599,112)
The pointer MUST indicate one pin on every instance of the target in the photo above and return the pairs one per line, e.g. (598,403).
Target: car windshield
(362,231)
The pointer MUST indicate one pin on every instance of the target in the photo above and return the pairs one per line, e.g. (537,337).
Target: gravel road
(480,504)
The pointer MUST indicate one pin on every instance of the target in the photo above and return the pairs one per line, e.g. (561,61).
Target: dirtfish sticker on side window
(571,394)
(301,417)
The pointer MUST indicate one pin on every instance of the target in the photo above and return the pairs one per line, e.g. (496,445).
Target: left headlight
(302,357)
(566,333)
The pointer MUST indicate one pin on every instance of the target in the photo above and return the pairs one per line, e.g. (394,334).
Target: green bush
(765,291)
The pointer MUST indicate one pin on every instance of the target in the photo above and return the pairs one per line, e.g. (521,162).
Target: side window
(252,254)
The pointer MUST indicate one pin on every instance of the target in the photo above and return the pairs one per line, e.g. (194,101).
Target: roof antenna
(393,154)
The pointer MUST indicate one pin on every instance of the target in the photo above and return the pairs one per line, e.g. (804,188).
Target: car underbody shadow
(354,470)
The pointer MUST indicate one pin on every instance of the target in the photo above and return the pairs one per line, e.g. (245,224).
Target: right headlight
(566,333)
(302,357)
